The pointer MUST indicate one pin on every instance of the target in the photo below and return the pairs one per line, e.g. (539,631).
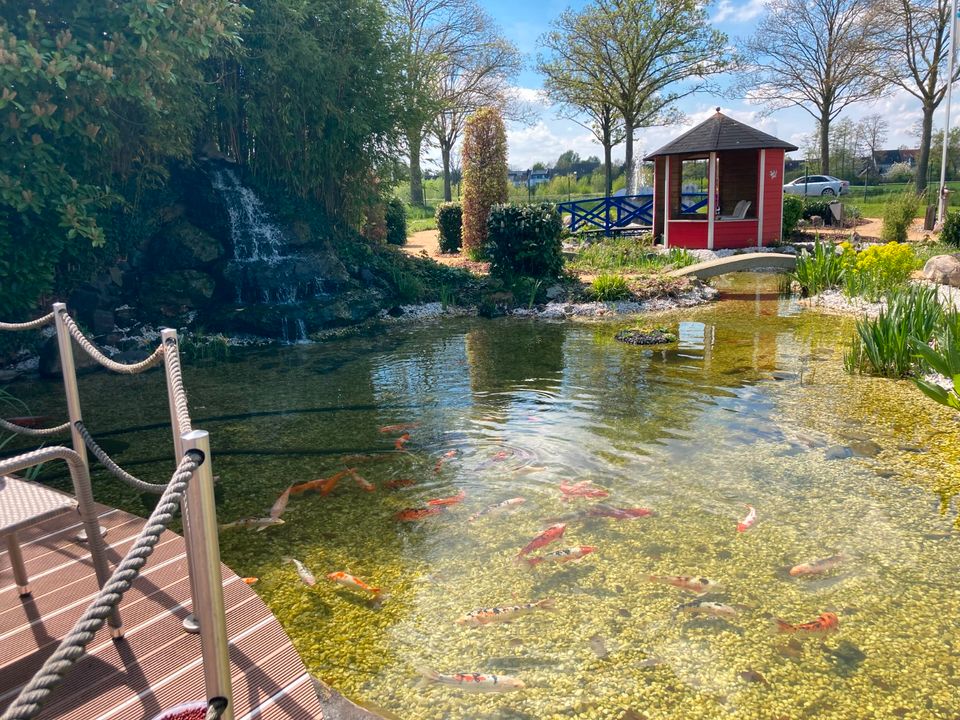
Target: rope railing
(33,432)
(29,325)
(108,462)
(132,369)
(31,698)
(176,380)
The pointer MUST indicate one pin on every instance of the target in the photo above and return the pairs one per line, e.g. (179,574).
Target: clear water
(746,409)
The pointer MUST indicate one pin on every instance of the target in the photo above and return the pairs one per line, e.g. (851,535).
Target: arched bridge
(737,263)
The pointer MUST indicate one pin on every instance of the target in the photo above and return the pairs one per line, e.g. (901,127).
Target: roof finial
(718,108)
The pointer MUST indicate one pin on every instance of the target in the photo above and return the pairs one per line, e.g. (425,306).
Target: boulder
(178,290)
(646,336)
(183,245)
(943,269)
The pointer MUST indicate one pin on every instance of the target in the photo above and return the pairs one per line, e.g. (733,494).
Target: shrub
(396,219)
(877,270)
(609,287)
(819,271)
(524,240)
(484,175)
(898,214)
(792,212)
(450,225)
(818,208)
(950,234)
(899,172)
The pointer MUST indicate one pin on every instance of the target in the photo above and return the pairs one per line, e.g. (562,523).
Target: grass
(609,287)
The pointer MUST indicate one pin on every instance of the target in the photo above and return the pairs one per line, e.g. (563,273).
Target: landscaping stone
(943,270)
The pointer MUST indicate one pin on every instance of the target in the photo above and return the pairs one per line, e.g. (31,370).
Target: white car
(817,185)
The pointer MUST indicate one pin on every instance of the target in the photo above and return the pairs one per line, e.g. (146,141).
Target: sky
(549,136)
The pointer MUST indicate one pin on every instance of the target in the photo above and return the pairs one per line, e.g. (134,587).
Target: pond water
(751,407)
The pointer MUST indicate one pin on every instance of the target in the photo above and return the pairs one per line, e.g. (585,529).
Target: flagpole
(942,204)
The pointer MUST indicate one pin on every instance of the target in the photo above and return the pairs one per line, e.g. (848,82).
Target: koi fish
(347,580)
(250,580)
(319,483)
(500,507)
(473,682)
(278,507)
(706,607)
(749,520)
(446,456)
(551,534)
(332,481)
(447,501)
(816,567)
(825,623)
(401,441)
(608,511)
(302,570)
(400,483)
(486,616)
(416,514)
(500,456)
(400,427)
(252,522)
(570,554)
(362,482)
(582,489)
(696,585)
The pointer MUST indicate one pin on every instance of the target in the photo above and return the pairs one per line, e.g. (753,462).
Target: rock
(646,336)
(837,452)
(49,365)
(865,448)
(179,290)
(554,292)
(943,269)
(183,245)
(103,322)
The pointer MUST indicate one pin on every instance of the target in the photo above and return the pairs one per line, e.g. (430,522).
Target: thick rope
(93,352)
(179,394)
(33,432)
(72,647)
(116,470)
(215,709)
(29,325)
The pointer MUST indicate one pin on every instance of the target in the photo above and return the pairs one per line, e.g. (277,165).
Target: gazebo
(743,170)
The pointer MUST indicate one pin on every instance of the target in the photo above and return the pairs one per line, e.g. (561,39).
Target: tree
(484,175)
(566,161)
(818,55)
(845,146)
(919,44)
(953,153)
(872,130)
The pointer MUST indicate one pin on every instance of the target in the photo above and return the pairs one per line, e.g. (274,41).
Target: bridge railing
(620,213)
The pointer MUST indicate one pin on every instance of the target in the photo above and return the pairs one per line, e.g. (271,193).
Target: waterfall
(254,235)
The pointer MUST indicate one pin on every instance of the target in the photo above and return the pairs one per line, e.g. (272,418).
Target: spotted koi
(696,585)
(306,577)
(816,567)
(347,580)
(570,554)
(749,520)
(825,623)
(473,682)
(486,616)
(706,607)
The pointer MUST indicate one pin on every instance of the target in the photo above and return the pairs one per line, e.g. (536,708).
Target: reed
(818,271)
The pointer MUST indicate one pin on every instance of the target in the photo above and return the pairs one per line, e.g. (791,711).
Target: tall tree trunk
(607,165)
(825,143)
(926,134)
(416,175)
(445,154)
(628,163)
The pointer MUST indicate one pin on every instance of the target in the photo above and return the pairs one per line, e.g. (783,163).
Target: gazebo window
(737,180)
(693,179)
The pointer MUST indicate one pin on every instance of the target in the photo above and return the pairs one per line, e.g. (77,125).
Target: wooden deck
(158,665)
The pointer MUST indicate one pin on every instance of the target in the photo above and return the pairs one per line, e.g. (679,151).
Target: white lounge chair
(739,211)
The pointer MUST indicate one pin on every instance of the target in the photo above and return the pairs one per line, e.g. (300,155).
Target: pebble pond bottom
(750,408)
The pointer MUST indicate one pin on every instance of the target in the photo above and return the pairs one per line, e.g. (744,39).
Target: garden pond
(750,407)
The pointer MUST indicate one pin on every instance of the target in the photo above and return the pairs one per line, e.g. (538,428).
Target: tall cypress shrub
(484,175)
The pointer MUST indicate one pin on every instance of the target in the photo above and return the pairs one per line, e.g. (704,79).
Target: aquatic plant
(447,297)
(943,357)
(200,346)
(609,287)
(406,285)
(885,345)
(819,271)
(877,270)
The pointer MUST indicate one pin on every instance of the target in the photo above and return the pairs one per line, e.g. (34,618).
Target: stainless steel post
(208,598)
(171,345)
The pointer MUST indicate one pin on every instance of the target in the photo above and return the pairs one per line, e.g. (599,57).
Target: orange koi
(416,514)
(347,580)
(363,482)
(696,585)
(250,580)
(318,484)
(400,427)
(825,623)
(570,554)
(332,481)
(452,500)
(400,483)
(749,520)
(582,489)
(401,441)
(551,534)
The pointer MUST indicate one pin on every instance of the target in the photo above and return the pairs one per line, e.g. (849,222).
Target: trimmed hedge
(396,218)
(525,240)
(449,218)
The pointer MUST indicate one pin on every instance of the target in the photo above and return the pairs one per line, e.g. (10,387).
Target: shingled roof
(718,133)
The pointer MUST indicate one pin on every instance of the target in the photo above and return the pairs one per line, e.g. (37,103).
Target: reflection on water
(750,407)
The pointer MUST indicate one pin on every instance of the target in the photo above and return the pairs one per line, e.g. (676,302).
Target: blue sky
(524,22)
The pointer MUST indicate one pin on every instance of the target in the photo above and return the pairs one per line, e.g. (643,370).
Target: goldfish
(706,607)
(497,509)
(582,489)
(570,554)
(816,567)
(252,522)
(401,441)
(486,616)
(749,520)
(319,483)
(473,682)
(452,500)
(305,575)
(608,511)
(415,514)
(250,580)
(278,507)
(400,483)
(552,533)
(697,585)
(825,623)
(347,580)
(363,482)
(332,481)
(399,427)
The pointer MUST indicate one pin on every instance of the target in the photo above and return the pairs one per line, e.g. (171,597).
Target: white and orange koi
(486,616)
(816,567)
(570,554)
(497,509)
(582,489)
(749,520)
(362,482)
(303,571)
(473,682)
(825,624)
(347,580)
(706,607)
(696,585)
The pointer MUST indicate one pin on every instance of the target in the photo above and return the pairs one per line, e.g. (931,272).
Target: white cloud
(727,10)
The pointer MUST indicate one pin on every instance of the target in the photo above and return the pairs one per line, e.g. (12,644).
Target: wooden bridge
(737,263)
(620,213)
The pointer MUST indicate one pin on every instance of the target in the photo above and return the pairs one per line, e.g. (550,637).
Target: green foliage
(898,215)
(524,240)
(886,345)
(680,257)
(609,287)
(396,218)
(950,234)
(942,357)
(484,174)
(450,226)
(621,254)
(200,346)
(819,271)
(406,285)
(816,208)
(792,212)
(877,270)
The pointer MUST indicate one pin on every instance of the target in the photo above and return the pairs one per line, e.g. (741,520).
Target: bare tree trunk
(608,165)
(416,175)
(825,143)
(926,134)
(445,154)
(628,164)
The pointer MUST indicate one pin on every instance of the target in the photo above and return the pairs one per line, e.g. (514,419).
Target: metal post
(942,202)
(208,597)
(171,344)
